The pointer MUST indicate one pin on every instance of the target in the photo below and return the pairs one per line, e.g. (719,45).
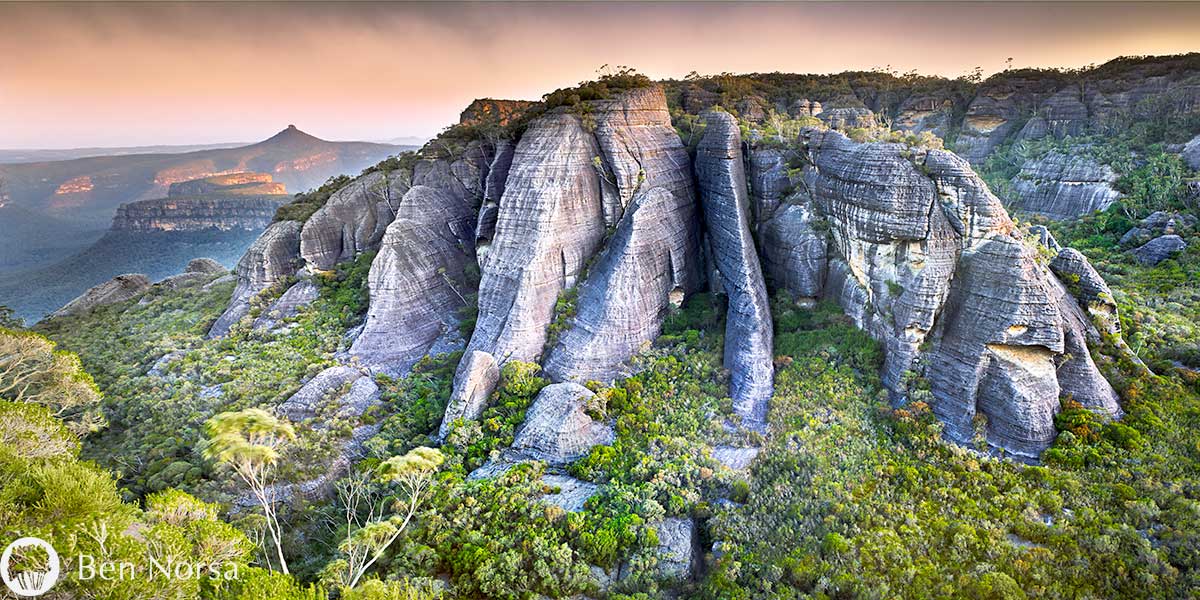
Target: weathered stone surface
(651,260)
(557,429)
(1062,186)
(1191,153)
(353,220)
(1159,249)
(769,182)
(1157,224)
(474,380)
(550,222)
(1088,287)
(571,494)
(848,118)
(996,111)
(117,289)
(305,403)
(207,266)
(301,294)
(925,112)
(497,177)
(273,257)
(748,335)
(951,284)
(736,458)
(676,547)
(417,281)
(1078,376)
(795,252)
(805,108)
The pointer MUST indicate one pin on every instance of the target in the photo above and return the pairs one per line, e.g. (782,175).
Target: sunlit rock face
(353,220)
(1062,186)
(273,257)
(924,257)
(724,194)
(417,281)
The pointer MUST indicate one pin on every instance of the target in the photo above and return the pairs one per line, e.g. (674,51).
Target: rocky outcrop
(926,112)
(769,181)
(1159,223)
(925,258)
(206,266)
(748,335)
(117,289)
(288,305)
(245,183)
(353,220)
(550,222)
(1191,154)
(1062,186)
(848,118)
(557,428)
(653,258)
(198,213)
(305,403)
(1074,270)
(795,254)
(492,111)
(493,190)
(1159,249)
(418,280)
(650,264)
(676,547)
(273,257)
(804,108)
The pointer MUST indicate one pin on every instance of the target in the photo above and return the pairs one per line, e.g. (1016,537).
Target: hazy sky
(133,74)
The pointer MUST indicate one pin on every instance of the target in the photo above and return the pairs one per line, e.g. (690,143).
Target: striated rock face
(651,261)
(417,281)
(352,221)
(925,258)
(925,112)
(288,305)
(1159,249)
(198,213)
(1085,284)
(769,182)
(557,430)
(493,190)
(550,222)
(848,118)
(748,335)
(794,252)
(805,108)
(474,380)
(1061,186)
(117,289)
(273,257)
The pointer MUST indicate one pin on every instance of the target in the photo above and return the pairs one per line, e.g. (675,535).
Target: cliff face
(245,201)
(1062,186)
(611,211)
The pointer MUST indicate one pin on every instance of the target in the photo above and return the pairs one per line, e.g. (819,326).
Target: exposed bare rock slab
(1159,249)
(273,257)
(1062,186)
(308,399)
(417,281)
(117,289)
(795,251)
(1191,153)
(557,428)
(748,335)
(769,182)
(353,220)
(301,294)
(474,381)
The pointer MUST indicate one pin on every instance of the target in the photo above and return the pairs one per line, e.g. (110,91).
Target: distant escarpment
(245,201)
(569,236)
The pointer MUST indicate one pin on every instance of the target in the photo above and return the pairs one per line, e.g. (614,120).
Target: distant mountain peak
(293,135)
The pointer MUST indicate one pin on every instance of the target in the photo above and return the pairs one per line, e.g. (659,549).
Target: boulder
(557,429)
(417,281)
(724,195)
(650,264)
(353,220)
(117,289)
(272,258)
(1159,249)
(1158,223)
(845,119)
(1191,153)
(676,547)
(1062,186)
(301,294)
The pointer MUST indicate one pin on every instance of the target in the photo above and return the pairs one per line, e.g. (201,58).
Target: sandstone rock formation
(353,220)
(417,281)
(1191,153)
(848,118)
(769,182)
(557,429)
(243,183)
(748,335)
(273,257)
(1157,224)
(1062,186)
(117,289)
(795,252)
(207,266)
(288,305)
(474,379)
(925,258)
(1159,249)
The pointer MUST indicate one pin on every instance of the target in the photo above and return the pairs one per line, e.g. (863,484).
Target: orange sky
(130,74)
